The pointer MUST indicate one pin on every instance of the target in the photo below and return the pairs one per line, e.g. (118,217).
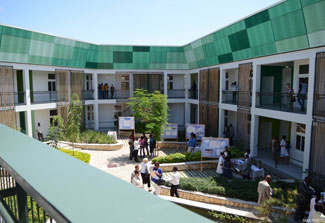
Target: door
(267,90)
(265,135)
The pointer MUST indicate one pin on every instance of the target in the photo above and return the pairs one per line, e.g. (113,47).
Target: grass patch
(186,157)
(94,137)
(85,157)
(283,193)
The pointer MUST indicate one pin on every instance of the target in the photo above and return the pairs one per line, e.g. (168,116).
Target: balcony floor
(283,108)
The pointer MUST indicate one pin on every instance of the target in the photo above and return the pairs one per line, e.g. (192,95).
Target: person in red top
(142,144)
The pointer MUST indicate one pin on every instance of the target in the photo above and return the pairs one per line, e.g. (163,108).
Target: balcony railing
(295,103)
(116,94)
(44,97)
(89,95)
(230,97)
(193,94)
(12,98)
(176,93)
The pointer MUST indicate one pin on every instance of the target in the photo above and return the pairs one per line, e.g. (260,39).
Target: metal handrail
(117,94)
(176,93)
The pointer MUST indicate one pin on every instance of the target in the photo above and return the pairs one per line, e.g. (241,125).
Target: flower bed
(85,157)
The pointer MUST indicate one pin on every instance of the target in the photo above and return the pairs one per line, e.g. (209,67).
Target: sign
(199,130)
(112,134)
(171,131)
(126,123)
(211,147)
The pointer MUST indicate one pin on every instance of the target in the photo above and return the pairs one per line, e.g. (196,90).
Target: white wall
(177,113)
(106,115)
(232,77)
(40,80)
(43,117)
(178,81)
(107,78)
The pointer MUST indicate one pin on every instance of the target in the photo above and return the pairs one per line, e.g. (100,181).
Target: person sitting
(246,167)
(227,152)
(318,214)
(226,169)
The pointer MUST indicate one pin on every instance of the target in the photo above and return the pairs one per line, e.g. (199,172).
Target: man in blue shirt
(191,143)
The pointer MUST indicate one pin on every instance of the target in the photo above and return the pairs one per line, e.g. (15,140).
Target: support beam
(96,122)
(165,83)
(221,122)
(29,129)
(308,137)
(254,134)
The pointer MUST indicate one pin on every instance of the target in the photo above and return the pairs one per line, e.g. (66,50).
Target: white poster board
(170,131)
(199,130)
(126,123)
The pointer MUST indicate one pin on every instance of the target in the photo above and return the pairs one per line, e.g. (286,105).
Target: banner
(126,123)
(211,147)
(171,131)
(199,130)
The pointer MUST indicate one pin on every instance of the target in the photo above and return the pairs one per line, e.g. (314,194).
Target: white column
(308,135)
(165,83)
(254,134)
(131,86)
(222,85)
(221,122)
(187,113)
(96,122)
(95,85)
(29,129)
(311,84)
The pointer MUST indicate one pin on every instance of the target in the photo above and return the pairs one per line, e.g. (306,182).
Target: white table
(256,172)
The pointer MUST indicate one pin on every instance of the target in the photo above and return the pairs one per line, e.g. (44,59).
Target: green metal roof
(81,192)
(288,26)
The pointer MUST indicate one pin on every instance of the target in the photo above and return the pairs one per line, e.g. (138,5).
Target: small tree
(74,117)
(56,131)
(150,110)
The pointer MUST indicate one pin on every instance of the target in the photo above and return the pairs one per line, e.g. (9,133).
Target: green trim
(31,86)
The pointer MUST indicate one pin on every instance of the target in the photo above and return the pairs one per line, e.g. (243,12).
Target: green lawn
(85,157)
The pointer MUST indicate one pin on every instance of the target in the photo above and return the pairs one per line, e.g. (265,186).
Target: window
(170,85)
(301,128)
(90,113)
(52,114)
(300,143)
(51,82)
(125,82)
(304,69)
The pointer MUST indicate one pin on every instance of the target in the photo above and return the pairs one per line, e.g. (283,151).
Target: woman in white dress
(284,151)
(220,163)
(313,201)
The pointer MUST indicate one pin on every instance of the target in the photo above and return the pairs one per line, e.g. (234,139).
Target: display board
(211,147)
(199,130)
(126,123)
(170,131)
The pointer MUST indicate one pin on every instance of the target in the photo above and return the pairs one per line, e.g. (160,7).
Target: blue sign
(199,130)
(171,131)
(126,123)
(211,147)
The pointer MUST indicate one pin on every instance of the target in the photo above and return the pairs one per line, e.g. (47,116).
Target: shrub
(228,217)
(284,193)
(91,136)
(85,157)
(178,158)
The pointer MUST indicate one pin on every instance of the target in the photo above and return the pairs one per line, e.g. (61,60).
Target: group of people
(156,176)
(302,93)
(280,150)
(103,90)
(306,194)
(229,132)
(224,166)
(142,144)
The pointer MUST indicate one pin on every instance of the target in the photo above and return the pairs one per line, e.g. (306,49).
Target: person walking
(304,195)
(157,178)
(302,94)
(145,173)
(246,167)
(191,143)
(284,154)
(174,182)
(112,91)
(264,190)
(220,163)
(231,135)
(152,144)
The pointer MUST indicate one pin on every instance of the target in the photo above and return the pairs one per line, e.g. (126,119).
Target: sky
(129,22)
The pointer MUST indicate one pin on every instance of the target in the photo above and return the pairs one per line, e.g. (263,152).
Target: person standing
(100,93)
(145,173)
(313,201)
(112,91)
(141,143)
(136,150)
(131,145)
(39,132)
(174,182)
(226,131)
(275,148)
(302,94)
(290,96)
(156,177)
(284,150)
(226,168)
(145,144)
(231,135)
(246,167)
(227,152)
(264,190)
(191,143)
(304,195)
(220,163)
(152,144)
(105,90)
(234,89)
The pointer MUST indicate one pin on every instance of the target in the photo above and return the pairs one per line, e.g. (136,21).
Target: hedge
(95,137)
(284,193)
(186,157)
(85,157)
